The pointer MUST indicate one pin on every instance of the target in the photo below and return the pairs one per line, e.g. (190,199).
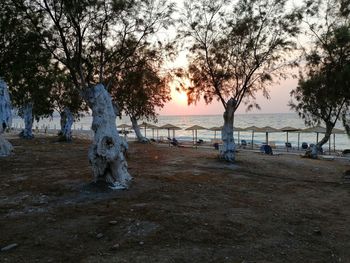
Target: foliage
(84,36)
(323,92)
(141,87)
(23,62)
(237,49)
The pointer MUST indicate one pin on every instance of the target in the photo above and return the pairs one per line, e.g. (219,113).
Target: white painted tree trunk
(316,149)
(67,120)
(106,154)
(228,149)
(138,133)
(5,118)
(27,113)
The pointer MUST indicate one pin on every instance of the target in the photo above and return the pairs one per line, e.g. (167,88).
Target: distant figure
(243,143)
(266,149)
(216,146)
(288,145)
(174,142)
(304,145)
(200,141)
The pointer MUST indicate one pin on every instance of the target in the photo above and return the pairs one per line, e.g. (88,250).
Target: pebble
(8,247)
(113,222)
(141,243)
(115,246)
(99,235)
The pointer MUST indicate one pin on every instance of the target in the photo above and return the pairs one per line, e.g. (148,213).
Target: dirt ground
(184,206)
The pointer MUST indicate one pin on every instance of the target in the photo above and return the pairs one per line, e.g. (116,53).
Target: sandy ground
(184,206)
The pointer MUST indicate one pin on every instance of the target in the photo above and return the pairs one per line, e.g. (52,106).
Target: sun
(181,97)
(178,96)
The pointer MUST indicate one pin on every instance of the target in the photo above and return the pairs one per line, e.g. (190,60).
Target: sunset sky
(278,103)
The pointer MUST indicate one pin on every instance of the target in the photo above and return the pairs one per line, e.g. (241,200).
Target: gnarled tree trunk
(316,149)
(27,113)
(5,118)
(66,122)
(228,149)
(138,133)
(106,154)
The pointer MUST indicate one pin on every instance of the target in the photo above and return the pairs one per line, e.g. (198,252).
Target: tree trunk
(106,154)
(228,150)
(27,114)
(67,120)
(138,133)
(5,118)
(316,149)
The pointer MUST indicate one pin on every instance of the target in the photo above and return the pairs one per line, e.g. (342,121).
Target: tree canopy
(323,92)
(84,36)
(236,49)
(24,62)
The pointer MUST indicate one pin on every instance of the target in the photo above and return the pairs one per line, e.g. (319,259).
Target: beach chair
(304,146)
(266,149)
(243,144)
(288,145)
(174,142)
(200,141)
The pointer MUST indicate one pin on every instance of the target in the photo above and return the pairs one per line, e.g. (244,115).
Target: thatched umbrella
(124,127)
(267,130)
(169,127)
(238,129)
(145,125)
(319,129)
(215,129)
(194,130)
(253,129)
(153,127)
(291,129)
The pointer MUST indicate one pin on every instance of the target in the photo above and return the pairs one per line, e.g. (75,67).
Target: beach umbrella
(170,127)
(335,131)
(194,130)
(253,129)
(153,127)
(215,129)
(145,125)
(238,129)
(267,130)
(319,129)
(124,126)
(291,129)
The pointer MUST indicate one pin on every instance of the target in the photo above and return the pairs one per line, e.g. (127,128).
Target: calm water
(241,120)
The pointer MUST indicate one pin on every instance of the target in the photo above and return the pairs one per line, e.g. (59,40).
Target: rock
(9,247)
(317,231)
(99,235)
(290,233)
(115,247)
(113,222)
(141,243)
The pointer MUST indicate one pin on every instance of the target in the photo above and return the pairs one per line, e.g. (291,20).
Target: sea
(276,120)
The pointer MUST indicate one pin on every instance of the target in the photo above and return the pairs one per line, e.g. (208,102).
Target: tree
(142,86)
(66,101)
(236,49)
(23,64)
(5,118)
(84,37)
(323,92)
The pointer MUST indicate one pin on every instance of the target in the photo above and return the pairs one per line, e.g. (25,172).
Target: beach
(184,205)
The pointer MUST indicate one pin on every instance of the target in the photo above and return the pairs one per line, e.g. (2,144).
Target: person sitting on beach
(266,149)
(174,142)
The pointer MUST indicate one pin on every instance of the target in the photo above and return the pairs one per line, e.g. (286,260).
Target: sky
(278,102)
